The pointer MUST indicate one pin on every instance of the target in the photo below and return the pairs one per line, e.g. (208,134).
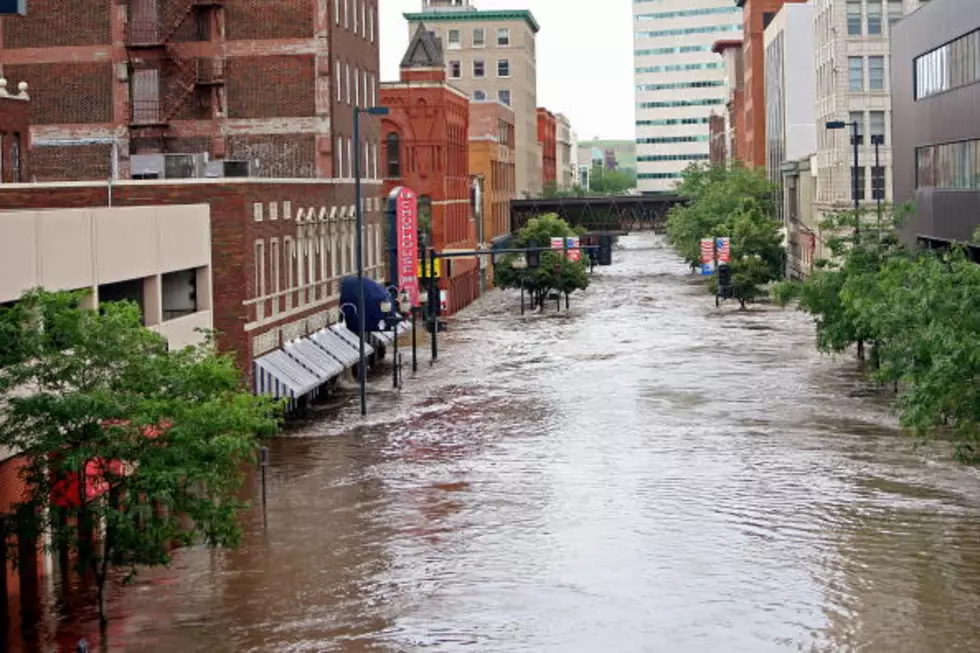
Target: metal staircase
(165,74)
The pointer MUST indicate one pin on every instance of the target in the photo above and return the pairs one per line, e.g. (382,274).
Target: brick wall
(271,87)
(51,23)
(71,163)
(233,232)
(15,124)
(67,93)
(249,19)
(280,156)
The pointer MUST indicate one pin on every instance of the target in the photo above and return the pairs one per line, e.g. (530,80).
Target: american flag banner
(724,247)
(707,250)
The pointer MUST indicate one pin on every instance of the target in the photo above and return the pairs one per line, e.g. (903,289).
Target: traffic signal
(605,249)
(724,275)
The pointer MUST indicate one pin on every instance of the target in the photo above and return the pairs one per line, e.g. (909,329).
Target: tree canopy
(736,202)
(129,447)
(556,272)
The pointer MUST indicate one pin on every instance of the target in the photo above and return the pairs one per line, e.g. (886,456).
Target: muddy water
(640,473)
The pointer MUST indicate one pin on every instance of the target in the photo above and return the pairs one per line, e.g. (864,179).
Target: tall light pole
(359,226)
(855,141)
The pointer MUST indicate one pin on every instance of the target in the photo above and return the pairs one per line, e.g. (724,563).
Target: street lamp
(359,225)
(423,300)
(855,139)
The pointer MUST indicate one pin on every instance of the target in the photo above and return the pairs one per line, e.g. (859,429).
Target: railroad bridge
(604,214)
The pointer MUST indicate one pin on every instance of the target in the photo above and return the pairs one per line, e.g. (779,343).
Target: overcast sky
(585,58)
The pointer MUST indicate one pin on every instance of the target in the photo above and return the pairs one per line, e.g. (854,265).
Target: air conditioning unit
(185,166)
(147,166)
(228,168)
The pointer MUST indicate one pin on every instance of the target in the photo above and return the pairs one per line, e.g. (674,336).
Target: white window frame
(483,41)
(509,95)
(484,64)
(458,44)
(354,3)
(371,21)
(339,145)
(501,61)
(505,32)
(350,158)
(357,86)
(347,14)
(336,11)
(455,69)
(347,69)
(340,80)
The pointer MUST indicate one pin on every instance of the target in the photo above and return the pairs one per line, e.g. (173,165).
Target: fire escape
(166,74)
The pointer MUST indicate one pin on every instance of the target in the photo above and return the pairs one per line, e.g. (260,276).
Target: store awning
(278,375)
(351,338)
(312,357)
(344,352)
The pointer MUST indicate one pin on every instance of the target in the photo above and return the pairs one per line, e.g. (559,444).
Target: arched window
(393,145)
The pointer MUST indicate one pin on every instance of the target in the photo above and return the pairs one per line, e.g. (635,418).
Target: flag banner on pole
(724,246)
(574,253)
(707,250)
(707,269)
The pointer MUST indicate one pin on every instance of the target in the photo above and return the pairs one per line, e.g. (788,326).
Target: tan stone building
(491,55)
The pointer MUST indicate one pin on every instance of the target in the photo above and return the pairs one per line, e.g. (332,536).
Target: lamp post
(423,300)
(520,263)
(878,190)
(359,226)
(855,141)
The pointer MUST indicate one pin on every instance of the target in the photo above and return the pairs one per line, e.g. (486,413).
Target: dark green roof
(467,16)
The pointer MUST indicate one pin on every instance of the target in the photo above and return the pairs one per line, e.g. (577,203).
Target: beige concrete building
(156,256)
(492,55)
(851,46)
(565,164)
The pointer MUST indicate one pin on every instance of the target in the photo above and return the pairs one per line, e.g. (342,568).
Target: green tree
(153,440)
(610,182)
(556,273)
(736,202)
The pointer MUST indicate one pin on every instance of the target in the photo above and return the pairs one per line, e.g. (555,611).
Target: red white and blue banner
(574,253)
(724,249)
(407,242)
(707,250)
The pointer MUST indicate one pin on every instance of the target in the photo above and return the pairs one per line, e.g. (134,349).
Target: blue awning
(314,358)
(278,375)
(344,352)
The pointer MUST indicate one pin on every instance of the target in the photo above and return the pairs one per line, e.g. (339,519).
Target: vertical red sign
(407,242)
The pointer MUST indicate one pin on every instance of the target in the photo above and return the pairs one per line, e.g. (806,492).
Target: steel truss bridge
(612,214)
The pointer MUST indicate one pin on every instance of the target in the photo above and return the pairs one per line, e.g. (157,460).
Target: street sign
(437,272)
(407,241)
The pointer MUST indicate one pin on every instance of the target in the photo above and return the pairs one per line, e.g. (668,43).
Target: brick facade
(238,80)
(492,156)
(429,124)
(756,15)
(278,248)
(547,138)
(15,132)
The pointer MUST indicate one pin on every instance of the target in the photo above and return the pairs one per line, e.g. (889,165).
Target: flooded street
(641,473)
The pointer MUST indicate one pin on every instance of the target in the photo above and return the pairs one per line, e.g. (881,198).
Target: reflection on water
(641,473)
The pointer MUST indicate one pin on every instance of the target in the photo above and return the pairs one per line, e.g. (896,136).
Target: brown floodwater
(641,473)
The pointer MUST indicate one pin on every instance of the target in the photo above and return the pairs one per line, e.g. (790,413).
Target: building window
(15,158)
(503,37)
(347,75)
(393,146)
(854,17)
(259,274)
(347,14)
(178,294)
(339,147)
(336,10)
(479,37)
(371,23)
(357,86)
(479,96)
(340,86)
(857,117)
(455,69)
(947,67)
(878,183)
(479,69)
(949,166)
(876,73)
(855,74)
(877,119)
(895,12)
(503,68)
(350,158)
(354,6)
(504,96)
(874,17)
(861,177)
(454,40)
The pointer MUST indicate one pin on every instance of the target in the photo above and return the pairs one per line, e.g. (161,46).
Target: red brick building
(756,15)
(734,118)
(548,140)
(266,87)
(425,141)
(492,158)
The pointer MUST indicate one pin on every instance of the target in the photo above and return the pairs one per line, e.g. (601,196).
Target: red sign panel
(407,242)
(707,250)
(724,246)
